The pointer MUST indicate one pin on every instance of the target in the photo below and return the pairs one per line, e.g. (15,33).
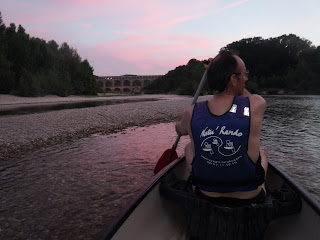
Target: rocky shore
(23,133)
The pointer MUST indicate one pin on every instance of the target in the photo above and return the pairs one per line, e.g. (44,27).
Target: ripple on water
(291,134)
(84,183)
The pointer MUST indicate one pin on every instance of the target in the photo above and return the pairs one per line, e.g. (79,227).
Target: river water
(73,190)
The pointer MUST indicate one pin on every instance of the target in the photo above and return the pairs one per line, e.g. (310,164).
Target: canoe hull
(150,216)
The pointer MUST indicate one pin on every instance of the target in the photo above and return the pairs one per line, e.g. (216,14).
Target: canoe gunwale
(136,200)
(312,202)
(155,180)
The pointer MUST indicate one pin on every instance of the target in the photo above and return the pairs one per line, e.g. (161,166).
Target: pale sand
(23,133)
(7,100)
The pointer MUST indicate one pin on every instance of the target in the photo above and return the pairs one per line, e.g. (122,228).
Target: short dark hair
(221,69)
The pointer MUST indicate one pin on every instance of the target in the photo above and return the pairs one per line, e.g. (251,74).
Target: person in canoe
(224,157)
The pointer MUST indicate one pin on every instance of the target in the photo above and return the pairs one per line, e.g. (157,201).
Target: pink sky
(153,37)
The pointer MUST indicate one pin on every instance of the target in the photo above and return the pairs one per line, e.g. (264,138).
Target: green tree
(90,85)
(6,76)
(31,66)
(183,80)
(2,32)
(28,84)
(62,86)
(300,78)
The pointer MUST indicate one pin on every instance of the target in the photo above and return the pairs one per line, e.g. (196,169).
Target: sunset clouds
(155,36)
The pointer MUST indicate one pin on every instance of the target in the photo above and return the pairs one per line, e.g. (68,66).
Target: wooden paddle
(170,154)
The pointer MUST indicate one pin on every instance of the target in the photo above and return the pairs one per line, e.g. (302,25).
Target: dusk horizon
(154,37)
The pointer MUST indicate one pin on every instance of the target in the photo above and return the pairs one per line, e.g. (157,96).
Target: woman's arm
(183,125)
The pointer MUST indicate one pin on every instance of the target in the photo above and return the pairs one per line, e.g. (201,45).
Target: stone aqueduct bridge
(125,83)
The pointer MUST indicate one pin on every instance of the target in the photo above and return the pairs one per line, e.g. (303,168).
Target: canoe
(150,216)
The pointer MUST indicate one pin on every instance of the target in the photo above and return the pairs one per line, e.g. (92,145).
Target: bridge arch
(126,83)
(117,83)
(136,83)
(108,83)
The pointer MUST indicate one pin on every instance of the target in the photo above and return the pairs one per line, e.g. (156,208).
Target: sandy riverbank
(23,133)
(7,100)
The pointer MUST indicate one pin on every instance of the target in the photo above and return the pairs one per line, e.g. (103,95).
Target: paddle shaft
(195,98)
(171,154)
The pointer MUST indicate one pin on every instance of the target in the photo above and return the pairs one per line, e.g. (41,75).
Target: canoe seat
(207,220)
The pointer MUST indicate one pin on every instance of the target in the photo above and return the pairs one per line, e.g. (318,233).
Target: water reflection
(72,191)
(291,134)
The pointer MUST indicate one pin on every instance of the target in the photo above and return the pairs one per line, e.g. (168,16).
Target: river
(73,190)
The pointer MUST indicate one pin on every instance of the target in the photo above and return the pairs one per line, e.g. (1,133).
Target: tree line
(33,67)
(284,64)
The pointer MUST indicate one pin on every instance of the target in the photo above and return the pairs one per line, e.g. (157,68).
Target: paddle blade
(167,157)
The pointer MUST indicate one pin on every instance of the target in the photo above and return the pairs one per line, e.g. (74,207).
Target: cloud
(235,4)
(123,35)
(168,15)
(138,14)
(86,25)
(151,54)
(80,3)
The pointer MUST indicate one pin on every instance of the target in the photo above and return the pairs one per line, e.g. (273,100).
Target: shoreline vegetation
(286,64)
(31,66)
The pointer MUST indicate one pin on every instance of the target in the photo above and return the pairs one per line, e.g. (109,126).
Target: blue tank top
(221,162)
